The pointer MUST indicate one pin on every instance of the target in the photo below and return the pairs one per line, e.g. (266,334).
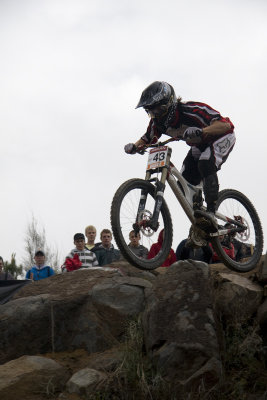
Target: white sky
(71,74)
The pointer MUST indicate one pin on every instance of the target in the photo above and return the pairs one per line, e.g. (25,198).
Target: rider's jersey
(183,116)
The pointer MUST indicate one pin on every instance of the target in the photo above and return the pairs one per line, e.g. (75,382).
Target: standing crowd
(88,254)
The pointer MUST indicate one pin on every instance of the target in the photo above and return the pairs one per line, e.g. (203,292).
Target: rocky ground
(122,333)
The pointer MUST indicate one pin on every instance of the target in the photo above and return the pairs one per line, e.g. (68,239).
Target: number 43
(159,156)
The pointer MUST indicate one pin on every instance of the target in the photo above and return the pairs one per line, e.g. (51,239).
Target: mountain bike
(139,205)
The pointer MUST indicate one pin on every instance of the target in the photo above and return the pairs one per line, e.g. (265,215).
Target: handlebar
(143,149)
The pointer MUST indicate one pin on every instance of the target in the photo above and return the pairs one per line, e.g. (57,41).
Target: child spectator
(90,233)
(155,248)
(135,246)
(40,270)
(80,257)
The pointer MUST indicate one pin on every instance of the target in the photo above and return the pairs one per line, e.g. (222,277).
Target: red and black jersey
(183,116)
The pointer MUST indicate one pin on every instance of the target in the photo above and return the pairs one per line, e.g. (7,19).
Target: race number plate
(157,157)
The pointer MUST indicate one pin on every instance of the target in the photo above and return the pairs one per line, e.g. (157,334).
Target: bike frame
(170,174)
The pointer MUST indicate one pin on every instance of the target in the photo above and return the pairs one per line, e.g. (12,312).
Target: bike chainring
(197,237)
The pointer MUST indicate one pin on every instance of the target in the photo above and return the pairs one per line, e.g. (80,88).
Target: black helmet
(157,98)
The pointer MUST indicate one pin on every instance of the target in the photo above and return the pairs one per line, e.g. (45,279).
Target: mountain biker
(210,136)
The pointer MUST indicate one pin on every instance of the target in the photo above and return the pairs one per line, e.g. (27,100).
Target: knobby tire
(121,234)
(249,263)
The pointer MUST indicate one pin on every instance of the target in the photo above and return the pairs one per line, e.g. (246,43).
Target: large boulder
(180,331)
(237,298)
(81,309)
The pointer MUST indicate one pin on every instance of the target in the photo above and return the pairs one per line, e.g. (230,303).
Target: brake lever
(141,150)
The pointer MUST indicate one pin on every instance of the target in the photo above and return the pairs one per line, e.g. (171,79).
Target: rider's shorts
(220,149)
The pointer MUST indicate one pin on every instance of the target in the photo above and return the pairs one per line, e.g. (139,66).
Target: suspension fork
(160,187)
(143,197)
(141,205)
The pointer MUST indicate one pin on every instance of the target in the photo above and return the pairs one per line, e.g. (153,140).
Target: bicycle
(138,205)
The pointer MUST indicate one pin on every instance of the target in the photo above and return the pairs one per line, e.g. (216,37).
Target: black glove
(193,135)
(130,148)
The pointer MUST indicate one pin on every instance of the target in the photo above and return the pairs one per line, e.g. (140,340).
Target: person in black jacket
(184,252)
(105,252)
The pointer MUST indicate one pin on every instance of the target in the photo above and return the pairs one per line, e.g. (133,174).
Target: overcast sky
(71,74)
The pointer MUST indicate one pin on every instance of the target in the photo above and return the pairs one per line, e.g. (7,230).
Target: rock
(85,381)
(31,374)
(81,309)
(108,360)
(180,332)
(236,297)
(262,270)
(262,314)
(126,294)
(210,373)
(81,318)
(262,320)
(127,269)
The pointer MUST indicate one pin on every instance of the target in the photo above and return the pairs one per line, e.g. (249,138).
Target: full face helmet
(157,98)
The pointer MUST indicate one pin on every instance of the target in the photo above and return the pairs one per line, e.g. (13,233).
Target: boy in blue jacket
(39,270)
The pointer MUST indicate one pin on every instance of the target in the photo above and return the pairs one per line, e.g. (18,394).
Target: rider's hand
(130,148)
(193,135)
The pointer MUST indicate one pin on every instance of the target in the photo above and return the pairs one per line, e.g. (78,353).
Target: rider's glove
(130,148)
(193,135)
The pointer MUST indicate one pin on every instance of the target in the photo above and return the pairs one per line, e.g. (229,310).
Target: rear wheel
(237,206)
(125,213)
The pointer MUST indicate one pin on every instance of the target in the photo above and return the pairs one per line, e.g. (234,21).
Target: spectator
(90,233)
(39,270)
(155,248)
(135,246)
(80,257)
(105,252)
(241,250)
(4,276)
(228,247)
(184,252)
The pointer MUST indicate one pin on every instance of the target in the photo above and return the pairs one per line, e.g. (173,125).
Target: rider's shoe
(206,220)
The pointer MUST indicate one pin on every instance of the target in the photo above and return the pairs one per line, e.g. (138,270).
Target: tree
(36,240)
(12,267)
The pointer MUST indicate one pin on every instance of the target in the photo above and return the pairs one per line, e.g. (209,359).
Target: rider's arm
(140,142)
(216,128)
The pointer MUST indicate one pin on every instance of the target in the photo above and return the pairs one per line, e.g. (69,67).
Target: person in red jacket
(155,248)
(228,247)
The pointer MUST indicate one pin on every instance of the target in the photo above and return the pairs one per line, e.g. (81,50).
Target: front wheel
(248,245)
(126,211)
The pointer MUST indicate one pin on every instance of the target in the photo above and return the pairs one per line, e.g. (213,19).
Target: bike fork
(160,186)
(158,203)
(153,221)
